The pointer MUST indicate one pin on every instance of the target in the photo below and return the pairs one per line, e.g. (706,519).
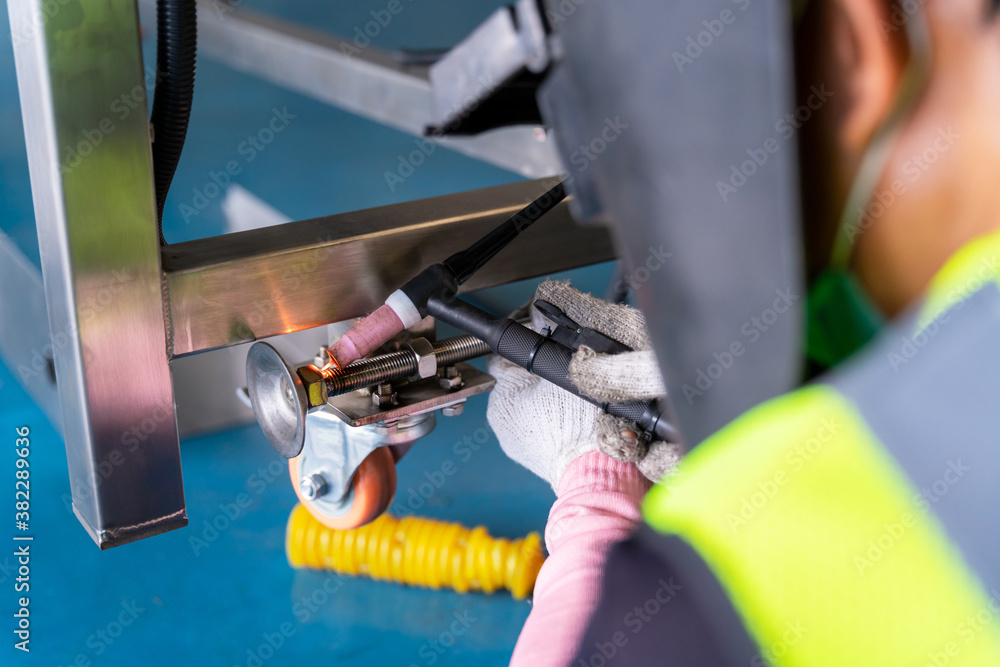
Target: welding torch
(538,354)
(408,305)
(280,397)
(432,292)
(546,358)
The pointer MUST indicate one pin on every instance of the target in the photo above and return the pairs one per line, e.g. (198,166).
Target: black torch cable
(465,263)
(176,48)
(544,357)
(443,280)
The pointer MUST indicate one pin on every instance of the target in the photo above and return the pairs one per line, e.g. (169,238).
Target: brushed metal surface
(415,398)
(367,82)
(92,186)
(259,283)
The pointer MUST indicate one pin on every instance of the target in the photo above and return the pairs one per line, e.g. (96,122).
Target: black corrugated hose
(176,42)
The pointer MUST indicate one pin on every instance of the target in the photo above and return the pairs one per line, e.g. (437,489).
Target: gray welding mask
(698,181)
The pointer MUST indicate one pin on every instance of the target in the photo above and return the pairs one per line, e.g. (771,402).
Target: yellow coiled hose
(419,552)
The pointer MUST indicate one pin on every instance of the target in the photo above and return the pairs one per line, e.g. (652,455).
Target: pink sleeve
(597,506)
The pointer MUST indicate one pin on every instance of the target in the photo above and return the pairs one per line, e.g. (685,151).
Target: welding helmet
(700,187)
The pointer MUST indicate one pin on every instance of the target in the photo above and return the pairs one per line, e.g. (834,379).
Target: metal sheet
(468,74)
(259,283)
(415,398)
(92,186)
(204,386)
(364,81)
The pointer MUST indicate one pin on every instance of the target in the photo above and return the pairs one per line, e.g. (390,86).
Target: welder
(856,520)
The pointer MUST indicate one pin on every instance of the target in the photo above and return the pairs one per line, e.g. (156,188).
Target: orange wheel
(373,486)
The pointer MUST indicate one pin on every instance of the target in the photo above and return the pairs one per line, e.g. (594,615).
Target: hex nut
(384,396)
(450,383)
(313,486)
(450,378)
(314,384)
(453,410)
(383,428)
(426,359)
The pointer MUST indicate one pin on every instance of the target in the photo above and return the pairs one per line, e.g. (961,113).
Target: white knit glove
(544,428)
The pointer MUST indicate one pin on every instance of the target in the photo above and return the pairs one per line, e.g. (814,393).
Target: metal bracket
(414,398)
(119,313)
(333,451)
(491,78)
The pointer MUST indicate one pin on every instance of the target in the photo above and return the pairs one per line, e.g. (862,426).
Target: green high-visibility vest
(857,521)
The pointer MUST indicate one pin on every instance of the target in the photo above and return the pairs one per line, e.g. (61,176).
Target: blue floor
(231,599)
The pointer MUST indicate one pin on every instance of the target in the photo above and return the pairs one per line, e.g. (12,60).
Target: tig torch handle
(543,357)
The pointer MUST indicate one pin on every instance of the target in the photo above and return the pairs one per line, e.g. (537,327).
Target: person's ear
(872,47)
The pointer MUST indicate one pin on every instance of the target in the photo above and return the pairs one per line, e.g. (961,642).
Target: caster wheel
(372,491)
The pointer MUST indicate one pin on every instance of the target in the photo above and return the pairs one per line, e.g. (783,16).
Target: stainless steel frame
(119,312)
(360,79)
(91,177)
(275,280)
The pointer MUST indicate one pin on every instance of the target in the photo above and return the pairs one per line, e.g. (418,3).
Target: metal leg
(117,316)
(81,81)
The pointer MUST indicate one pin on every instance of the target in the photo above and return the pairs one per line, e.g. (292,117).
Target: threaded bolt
(398,365)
